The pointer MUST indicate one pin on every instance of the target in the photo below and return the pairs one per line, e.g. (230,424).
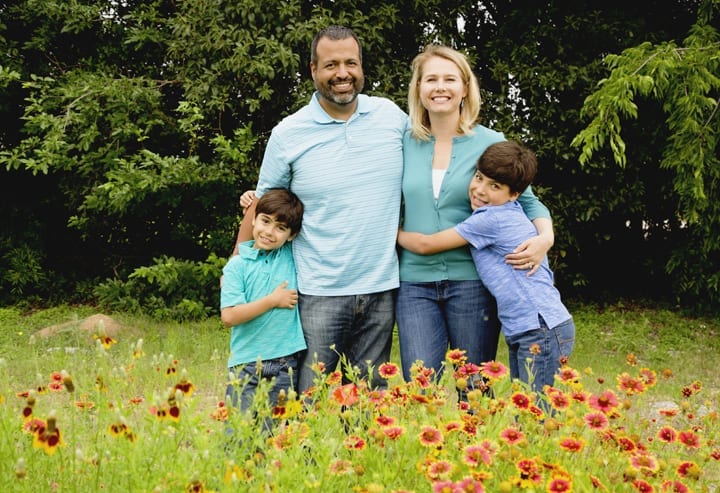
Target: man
(342,155)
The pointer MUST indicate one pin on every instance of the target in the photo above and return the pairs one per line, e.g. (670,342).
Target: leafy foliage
(130,128)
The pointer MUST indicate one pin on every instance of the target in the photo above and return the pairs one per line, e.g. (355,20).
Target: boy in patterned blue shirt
(536,325)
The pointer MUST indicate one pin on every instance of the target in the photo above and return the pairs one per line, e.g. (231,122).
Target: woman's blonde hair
(470,107)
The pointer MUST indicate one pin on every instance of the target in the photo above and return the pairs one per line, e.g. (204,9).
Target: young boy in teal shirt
(258,299)
(536,325)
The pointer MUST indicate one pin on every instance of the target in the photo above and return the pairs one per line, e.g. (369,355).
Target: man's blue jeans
(359,327)
(435,316)
(552,344)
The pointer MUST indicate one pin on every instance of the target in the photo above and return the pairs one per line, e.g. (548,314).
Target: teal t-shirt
(248,276)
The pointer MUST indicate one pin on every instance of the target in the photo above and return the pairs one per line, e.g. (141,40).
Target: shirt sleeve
(275,170)
(232,292)
(532,206)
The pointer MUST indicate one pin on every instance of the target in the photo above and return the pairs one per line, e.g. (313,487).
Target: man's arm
(423,244)
(245,230)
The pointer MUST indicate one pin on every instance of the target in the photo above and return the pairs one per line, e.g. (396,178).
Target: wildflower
(430,436)
(572,444)
(512,436)
(185,386)
(388,370)
(138,350)
(137,400)
(456,357)
(333,378)
(439,469)
(669,413)
(383,420)
(354,442)
(67,381)
(221,412)
(340,466)
(475,454)
(644,462)
(196,486)
(48,438)
(715,454)
(346,395)
(689,439)
(535,349)
(568,375)
(558,399)
(596,421)
(631,359)
(606,402)
(559,485)
(597,484)
(443,486)
(689,469)
(55,386)
(648,377)
(642,486)
(529,473)
(520,400)
(470,485)
(674,486)
(494,370)
(32,425)
(580,396)
(626,444)
(393,432)
(27,411)
(106,341)
(629,384)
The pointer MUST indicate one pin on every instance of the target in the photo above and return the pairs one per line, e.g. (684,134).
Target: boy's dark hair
(509,163)
(284,205)
(335,33)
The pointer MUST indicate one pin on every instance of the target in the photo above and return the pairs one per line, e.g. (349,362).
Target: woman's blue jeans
(435,316)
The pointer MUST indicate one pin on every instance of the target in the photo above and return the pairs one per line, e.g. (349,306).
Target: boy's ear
(292,236)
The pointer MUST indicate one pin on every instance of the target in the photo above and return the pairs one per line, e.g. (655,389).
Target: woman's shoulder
(485,133)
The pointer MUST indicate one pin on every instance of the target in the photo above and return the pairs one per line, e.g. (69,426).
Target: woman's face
(442,88)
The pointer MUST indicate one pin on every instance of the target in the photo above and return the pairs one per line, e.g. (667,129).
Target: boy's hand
(284,298)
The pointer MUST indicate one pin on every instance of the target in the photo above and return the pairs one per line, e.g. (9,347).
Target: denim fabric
(552,343)
(435,316)
(359,327)
(249,375)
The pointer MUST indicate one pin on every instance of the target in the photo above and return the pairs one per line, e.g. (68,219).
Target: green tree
(683,78)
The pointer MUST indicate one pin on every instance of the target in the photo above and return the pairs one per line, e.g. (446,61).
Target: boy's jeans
(552,344)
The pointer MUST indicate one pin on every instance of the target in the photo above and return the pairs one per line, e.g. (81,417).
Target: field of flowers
(107,416)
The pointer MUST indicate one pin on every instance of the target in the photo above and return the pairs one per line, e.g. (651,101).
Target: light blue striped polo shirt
(349,177)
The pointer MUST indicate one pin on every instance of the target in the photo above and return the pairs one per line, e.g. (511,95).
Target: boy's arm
(423,244)
(279,298)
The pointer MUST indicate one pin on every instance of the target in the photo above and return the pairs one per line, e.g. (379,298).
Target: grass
(609,339)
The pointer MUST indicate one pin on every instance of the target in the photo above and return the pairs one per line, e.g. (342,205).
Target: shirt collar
(321,116)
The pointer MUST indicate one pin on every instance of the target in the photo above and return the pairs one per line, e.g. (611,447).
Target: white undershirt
(437,178)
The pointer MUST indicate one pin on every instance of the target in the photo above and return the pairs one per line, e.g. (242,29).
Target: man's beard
(325,90)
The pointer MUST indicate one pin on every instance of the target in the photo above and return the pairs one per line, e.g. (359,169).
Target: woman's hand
(531,252)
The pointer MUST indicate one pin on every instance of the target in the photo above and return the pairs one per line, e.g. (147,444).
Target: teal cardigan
(421,213)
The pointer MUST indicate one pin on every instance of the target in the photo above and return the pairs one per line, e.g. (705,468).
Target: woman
(441,301)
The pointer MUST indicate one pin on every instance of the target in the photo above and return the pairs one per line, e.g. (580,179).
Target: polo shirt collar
(321,116)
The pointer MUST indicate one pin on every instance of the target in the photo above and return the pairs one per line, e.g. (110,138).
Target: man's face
(338,73)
